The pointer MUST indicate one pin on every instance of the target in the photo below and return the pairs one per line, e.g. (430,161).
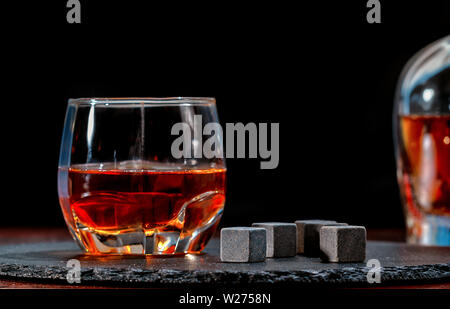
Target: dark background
(317,68)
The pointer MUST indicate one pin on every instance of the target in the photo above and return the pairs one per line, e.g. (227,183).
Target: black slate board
(401,264)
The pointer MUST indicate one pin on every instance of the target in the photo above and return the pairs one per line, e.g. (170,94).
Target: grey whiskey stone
(242,244)
(308,235)
(343,243)
(281,238)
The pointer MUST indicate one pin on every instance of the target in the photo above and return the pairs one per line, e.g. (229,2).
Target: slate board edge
(162,277)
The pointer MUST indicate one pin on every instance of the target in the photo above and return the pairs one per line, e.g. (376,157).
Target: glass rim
(177,101)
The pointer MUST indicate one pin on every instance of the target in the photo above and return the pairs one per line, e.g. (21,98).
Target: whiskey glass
(121,187)
(422,140)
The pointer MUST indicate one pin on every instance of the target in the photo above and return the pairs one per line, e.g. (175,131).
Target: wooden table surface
(25,235)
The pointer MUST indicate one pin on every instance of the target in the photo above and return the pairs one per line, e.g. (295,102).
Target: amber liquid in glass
(115,201)
(425,157)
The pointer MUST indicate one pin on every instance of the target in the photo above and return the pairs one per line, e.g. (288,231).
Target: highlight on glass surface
(422,139)
(120,188)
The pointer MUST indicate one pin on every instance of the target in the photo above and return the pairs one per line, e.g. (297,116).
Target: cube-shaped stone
(242,244)
(281,238)
(343,243)
(308,239)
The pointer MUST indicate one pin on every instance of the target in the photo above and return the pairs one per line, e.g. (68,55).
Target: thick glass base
(428,230)
(188,232)
(155,241)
